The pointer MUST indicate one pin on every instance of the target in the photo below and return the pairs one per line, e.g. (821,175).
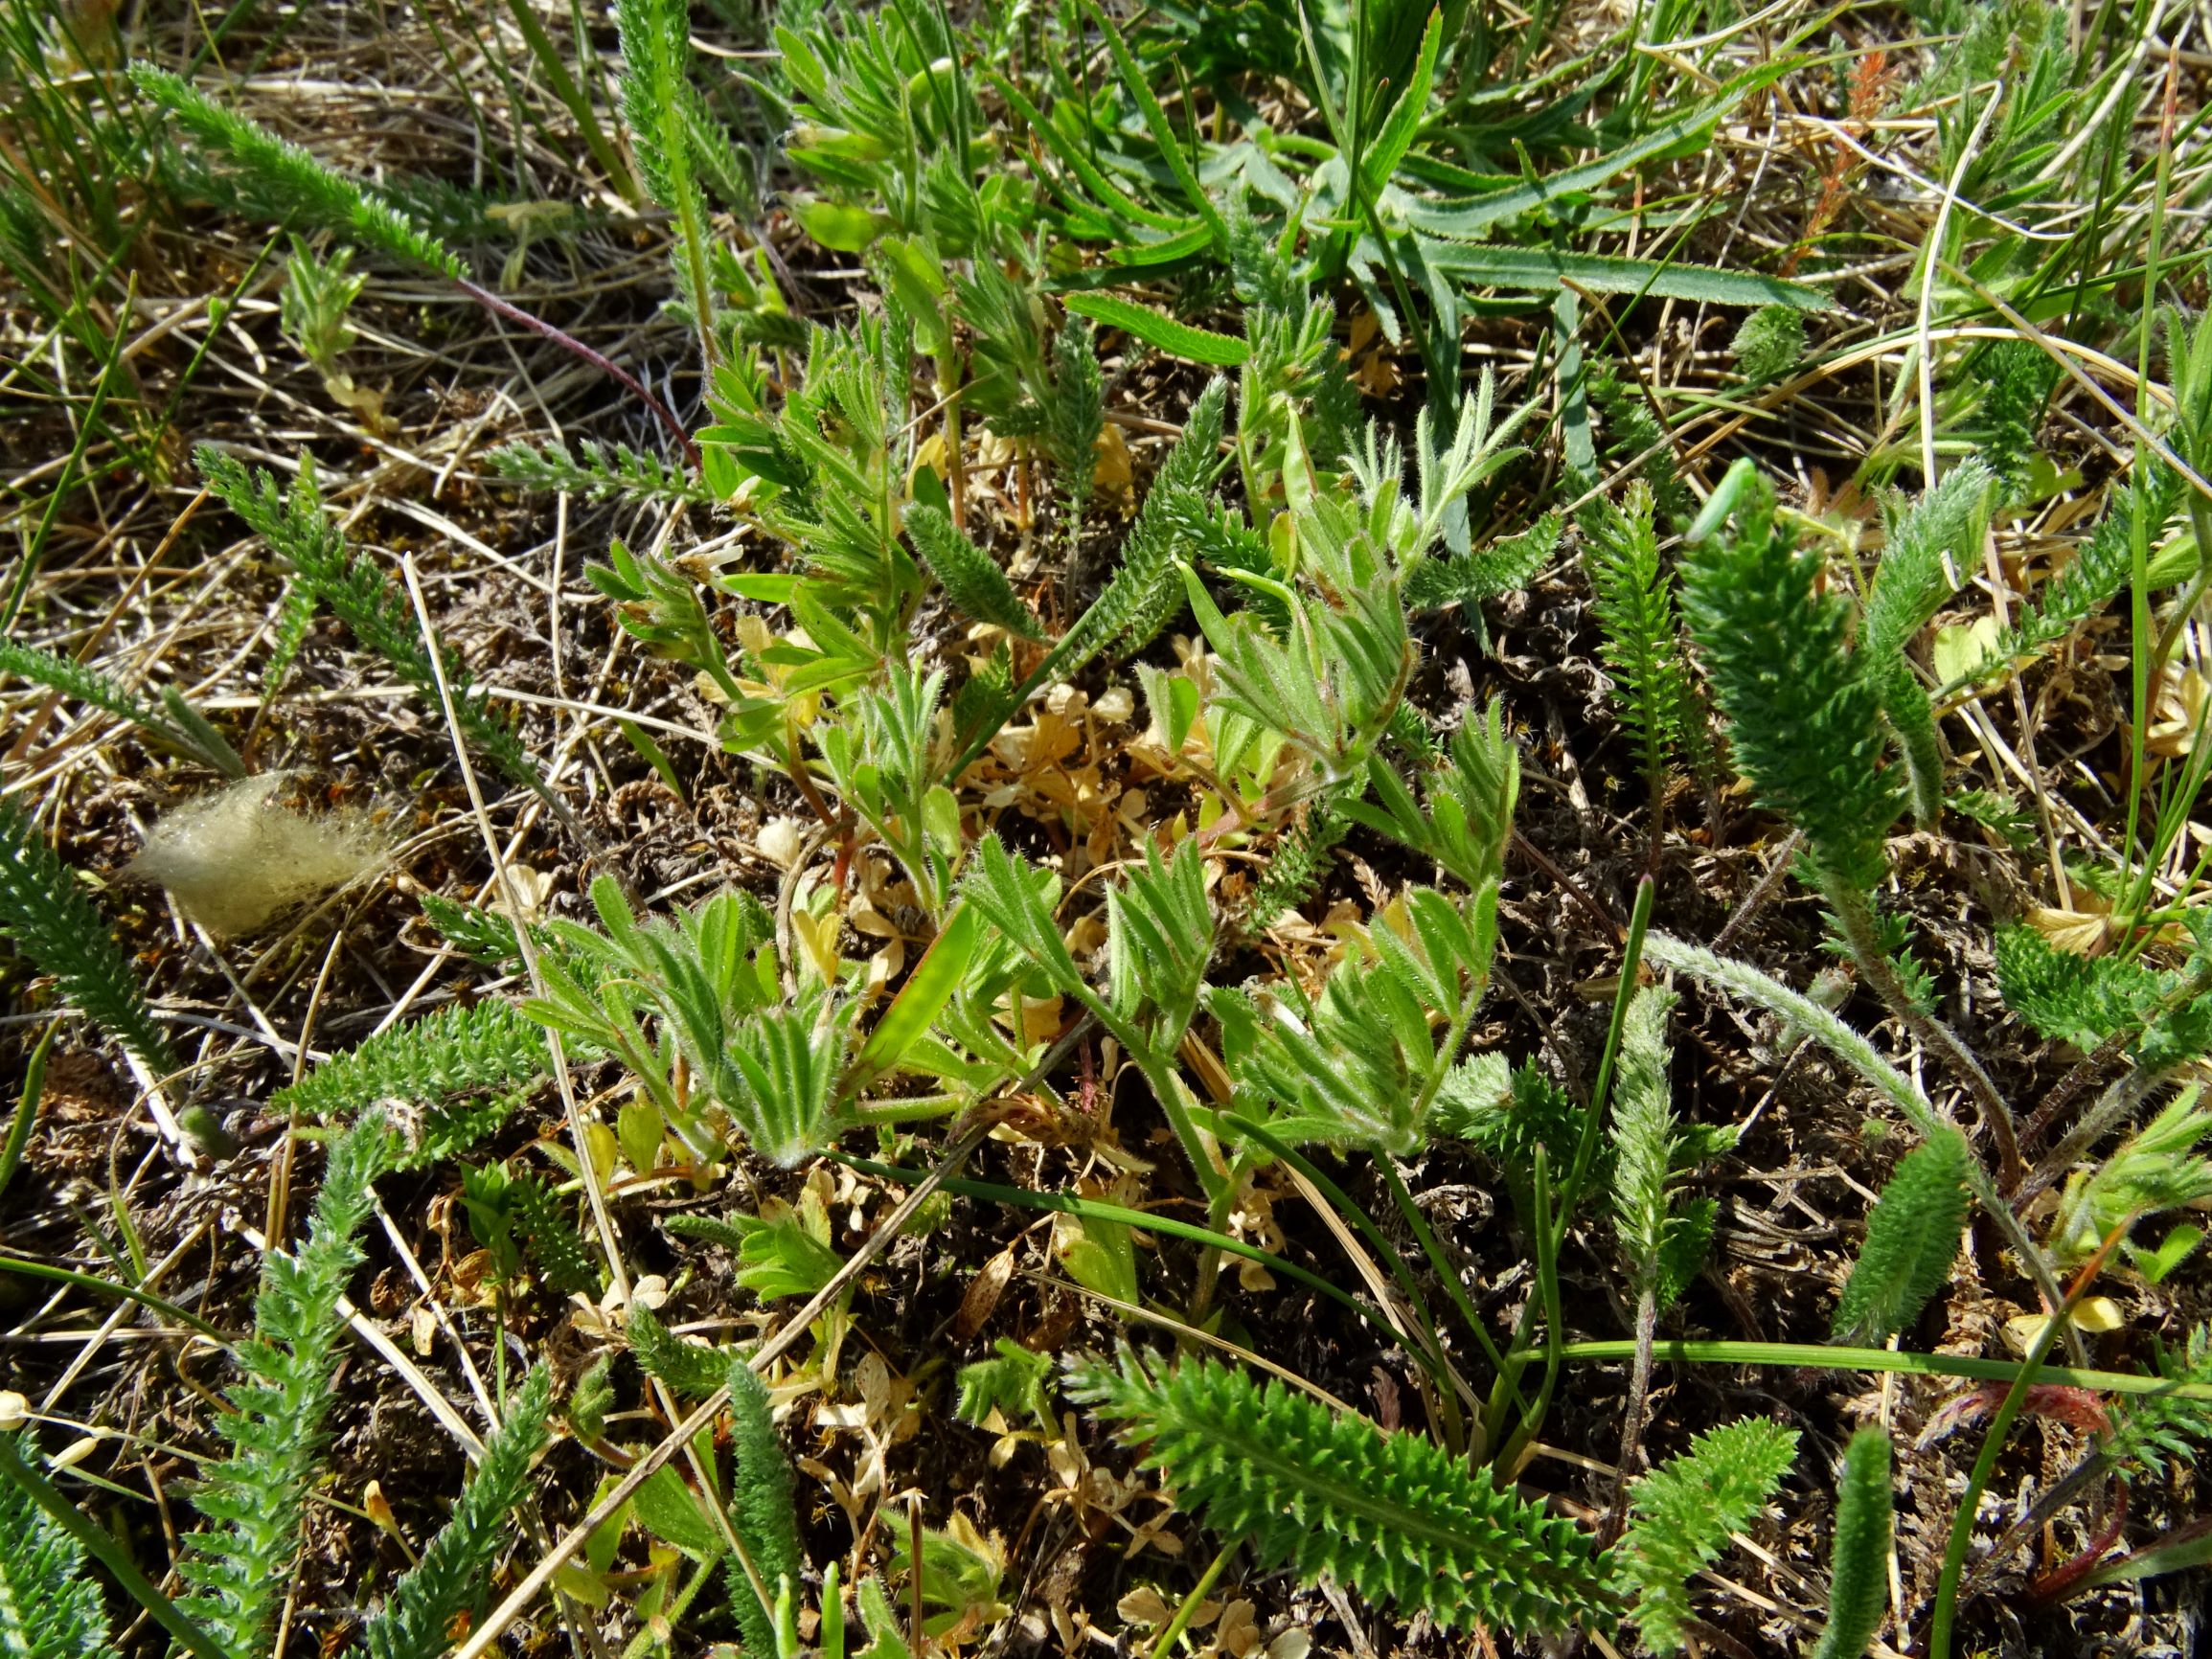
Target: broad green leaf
(922,998)
(665,1508)
(1399,127)
(1192,345)
(842,230)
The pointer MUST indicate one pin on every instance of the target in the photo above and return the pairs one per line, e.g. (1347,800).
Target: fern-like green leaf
(762,1512)
(1911,1240)
(45,911)
(1635,603)
(1146,590)
(552,1238)
(1394,1517)
(597,472)
(1075,415)
(1926,546)
(312,191)
(1859,1576)
(1663,1241)
(73,679)
(656,41)
(688,1369)
(240,1563)
(969,576)
(2155,1429)
(2065,997)
(50,1608)
(296,526)
(1643,1131)
(454,1573)
(1803,715)
(1683,1512)
(288,634)
(486,1046)
(1298,864)
(2098,571)
(1770,343)
(1503,566)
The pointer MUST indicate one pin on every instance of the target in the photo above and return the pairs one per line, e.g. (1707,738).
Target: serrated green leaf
(1544,270)
(1911,1239)
(1163,334)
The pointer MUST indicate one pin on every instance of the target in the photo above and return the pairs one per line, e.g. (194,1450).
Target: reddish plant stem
(605,364)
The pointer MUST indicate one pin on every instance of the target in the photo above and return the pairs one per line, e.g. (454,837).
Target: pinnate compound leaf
(1911,1239)
(1865,1516)
(1804,717)
(1683,1512)
(969,576)
(454,1574)
(1394,1517)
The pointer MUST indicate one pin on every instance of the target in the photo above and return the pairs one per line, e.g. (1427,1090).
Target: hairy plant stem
(2115,1107)
(1855,916)
(1632,1425)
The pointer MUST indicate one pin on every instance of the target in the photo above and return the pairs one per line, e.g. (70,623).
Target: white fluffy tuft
(235,858)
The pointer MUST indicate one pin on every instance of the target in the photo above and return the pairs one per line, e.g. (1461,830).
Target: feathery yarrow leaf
(1635,602)
(1146,590)
(1803,715)
(688,1368)
(597,472)
(296,526)
(970,577)
(46,911)
(50,1608)
(1663,1240)
(764,1511)
(1911,1240)
(2150,1430)
(239,1564)
(1643,1129)
(2069,998)
(2096,575)
(310,190)
(487,1045)
(454,1574)
(1684,1511)
(1925,545)
(1394,1517)
(73,679)
(1859,1579)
